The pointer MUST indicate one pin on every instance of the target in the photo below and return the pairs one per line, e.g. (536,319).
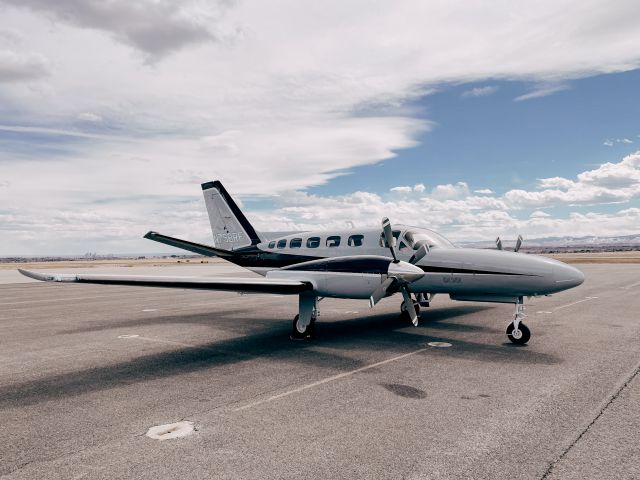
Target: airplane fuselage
(464,273)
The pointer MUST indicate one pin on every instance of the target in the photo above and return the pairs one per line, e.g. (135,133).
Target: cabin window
(295,243)
(272,244)
(333,241)
(355,240)
(313,242)
(282,243)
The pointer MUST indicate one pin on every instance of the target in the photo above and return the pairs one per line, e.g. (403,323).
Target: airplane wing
(252,285)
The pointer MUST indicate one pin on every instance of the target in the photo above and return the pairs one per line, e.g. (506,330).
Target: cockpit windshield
(416,237)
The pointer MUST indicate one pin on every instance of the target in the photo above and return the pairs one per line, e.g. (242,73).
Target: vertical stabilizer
(231,229)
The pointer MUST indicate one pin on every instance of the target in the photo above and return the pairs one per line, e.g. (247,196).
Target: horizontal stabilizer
(252,285)
(189,246)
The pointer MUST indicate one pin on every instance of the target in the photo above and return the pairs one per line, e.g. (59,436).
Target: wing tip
(36,276)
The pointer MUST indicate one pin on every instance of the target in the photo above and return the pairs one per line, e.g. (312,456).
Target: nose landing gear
(517,331)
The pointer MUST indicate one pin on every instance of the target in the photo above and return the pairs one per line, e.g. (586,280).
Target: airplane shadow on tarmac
(269,340)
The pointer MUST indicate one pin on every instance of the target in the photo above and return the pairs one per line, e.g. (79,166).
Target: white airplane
(358,264)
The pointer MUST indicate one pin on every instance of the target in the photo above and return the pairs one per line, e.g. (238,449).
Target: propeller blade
(409,304)
(419,255)
(499,243)
(518,243)
(380,292)
(389,238)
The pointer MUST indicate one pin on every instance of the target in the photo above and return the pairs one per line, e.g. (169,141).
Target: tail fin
(231,229)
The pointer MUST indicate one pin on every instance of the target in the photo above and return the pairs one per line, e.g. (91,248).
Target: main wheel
(520,336)
(298,332)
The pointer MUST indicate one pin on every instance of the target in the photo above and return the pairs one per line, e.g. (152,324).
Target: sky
(475,119)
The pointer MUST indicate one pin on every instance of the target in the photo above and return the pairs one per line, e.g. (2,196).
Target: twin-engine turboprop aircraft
(358,263)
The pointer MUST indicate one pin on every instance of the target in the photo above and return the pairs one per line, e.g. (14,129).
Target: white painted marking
(574,303)
(171,430)
(128,336)
(150,310)
(631,286)
(439,344)
(544,311)
(327,380)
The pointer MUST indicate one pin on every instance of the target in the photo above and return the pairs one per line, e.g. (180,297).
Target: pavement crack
(603,408)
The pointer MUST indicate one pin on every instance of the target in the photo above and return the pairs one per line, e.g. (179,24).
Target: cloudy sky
(474,120)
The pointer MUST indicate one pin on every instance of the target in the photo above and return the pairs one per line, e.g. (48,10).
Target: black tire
(308,333)
(524,338)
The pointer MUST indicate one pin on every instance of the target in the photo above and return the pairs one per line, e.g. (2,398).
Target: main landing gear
(517,331)
(304,324)
(300,331)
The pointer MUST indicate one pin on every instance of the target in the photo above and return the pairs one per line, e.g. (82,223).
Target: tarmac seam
(603,407)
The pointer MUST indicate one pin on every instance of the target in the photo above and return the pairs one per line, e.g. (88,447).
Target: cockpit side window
(355,240)
(415,238)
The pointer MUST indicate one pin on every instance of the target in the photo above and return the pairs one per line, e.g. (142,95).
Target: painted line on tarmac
(574,303)
(327,380)
(628,287)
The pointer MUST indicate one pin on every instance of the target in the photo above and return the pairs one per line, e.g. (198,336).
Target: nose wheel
(520,335)
(517,331)
(403,310)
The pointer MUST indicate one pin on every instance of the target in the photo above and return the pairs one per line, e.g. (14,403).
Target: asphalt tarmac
(86,370)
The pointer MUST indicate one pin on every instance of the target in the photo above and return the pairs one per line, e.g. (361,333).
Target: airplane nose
(566,276)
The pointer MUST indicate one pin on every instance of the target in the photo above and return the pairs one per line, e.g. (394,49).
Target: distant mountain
(591,241)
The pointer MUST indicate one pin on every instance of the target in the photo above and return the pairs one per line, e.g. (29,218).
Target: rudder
(231,229)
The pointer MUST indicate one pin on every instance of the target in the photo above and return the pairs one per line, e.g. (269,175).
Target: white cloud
(543,90)
(450,191)
(155,27)
(610,142)
(480,91)
(89,117)
(19,67)
(267,97)
(484,191)
(539,214)
(404,189)
(418,188)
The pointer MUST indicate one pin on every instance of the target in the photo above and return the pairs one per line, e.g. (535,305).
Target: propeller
(518,243)
(419,255)
(400,274)
(517,247)
(389,238)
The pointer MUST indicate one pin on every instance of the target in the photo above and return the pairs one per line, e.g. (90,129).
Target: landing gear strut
(403,310)
(304,324)
(517,331)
